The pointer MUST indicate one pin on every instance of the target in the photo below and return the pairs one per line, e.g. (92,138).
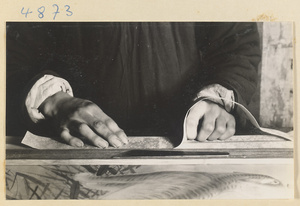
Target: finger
(207,127)
(103,125)
(102,129)
(95,121)
(230,130)
(71,140)
(209,122)
(85,131)
(95,118)
(97,112)
(112,125)
(220,128)
(193,118)
(121,134)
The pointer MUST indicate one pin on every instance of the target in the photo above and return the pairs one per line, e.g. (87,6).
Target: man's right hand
(80,120)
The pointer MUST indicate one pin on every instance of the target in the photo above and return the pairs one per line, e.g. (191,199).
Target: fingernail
(79,144)
(126,141)
(101,144)
(115,142)
(124,138)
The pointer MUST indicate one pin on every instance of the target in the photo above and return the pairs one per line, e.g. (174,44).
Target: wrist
(43,88)
(218,94)
(51,105)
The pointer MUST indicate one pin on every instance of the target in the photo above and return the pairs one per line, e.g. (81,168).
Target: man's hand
(81,120)
(216,122)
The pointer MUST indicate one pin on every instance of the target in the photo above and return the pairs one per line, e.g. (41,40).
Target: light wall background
(273,102)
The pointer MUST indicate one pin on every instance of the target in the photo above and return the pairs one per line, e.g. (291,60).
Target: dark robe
(144,75)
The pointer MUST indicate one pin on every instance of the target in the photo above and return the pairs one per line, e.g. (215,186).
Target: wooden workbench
(51,173)
(258,149)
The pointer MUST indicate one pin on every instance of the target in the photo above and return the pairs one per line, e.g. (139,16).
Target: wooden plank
(201,152)
(123,154)
(212,161)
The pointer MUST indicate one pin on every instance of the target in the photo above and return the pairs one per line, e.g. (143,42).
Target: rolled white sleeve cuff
(45,87)
(219,95)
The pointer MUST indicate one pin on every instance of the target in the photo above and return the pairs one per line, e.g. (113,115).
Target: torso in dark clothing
(143,75)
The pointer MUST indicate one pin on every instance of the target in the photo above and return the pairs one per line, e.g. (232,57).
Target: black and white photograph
(149,110)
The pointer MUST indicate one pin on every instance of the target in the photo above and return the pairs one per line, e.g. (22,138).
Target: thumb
(193,116)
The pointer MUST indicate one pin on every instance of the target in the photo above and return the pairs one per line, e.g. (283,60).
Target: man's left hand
(209,121)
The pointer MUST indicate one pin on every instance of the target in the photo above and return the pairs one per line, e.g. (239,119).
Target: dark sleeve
(26,62)
(34,49)
(231,53)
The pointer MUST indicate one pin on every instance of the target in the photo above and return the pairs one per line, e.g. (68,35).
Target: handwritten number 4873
(41,10)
